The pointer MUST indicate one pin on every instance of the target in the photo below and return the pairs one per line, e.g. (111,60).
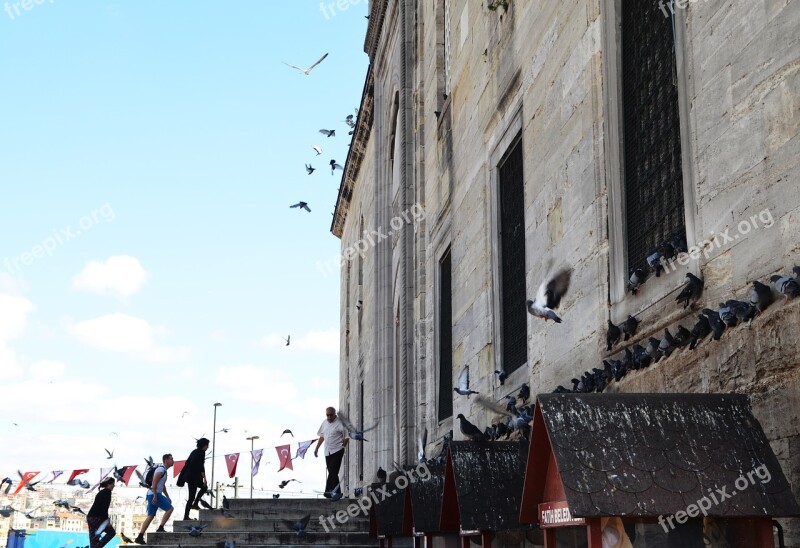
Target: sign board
(557,514)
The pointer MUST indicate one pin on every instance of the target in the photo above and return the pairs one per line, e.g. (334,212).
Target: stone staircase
(259,523)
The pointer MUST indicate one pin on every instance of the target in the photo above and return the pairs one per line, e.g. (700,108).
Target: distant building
(493,146)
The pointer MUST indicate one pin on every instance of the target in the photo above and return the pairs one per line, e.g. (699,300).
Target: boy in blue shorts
(157,497)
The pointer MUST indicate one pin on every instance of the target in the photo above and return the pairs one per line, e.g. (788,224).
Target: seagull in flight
(317,149)
(302,205)
(549,296)
(309,69)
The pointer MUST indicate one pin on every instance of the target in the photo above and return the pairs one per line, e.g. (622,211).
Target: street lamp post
(252,462)
(213,448)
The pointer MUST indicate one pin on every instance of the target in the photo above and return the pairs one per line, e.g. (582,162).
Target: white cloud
(47,370)
(14,312)
(258,384)
(123,333)
(121,275)
(324,342)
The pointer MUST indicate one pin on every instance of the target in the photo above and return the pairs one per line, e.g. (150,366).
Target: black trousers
(194,496)
(94,540)
(334,463)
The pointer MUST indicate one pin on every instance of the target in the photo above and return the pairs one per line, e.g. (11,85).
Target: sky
(150,264)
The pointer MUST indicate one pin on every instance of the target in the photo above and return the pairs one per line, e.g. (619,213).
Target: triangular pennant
(56,474)
(256,460)
(285,456)
(177,467)
(127,474)
(26,477)
(231,460)
(76,473)
(104,473)
(302,447)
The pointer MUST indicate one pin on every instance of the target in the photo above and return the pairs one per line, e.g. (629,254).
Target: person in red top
(100,530)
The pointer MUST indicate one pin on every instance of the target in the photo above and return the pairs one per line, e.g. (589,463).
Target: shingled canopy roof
(654,454)
(487,478)
(392,511)
(426,500)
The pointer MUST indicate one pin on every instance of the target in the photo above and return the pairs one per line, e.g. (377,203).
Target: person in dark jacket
(100,530)
(194,475)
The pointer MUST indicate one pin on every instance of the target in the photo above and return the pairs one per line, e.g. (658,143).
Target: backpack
(150,474)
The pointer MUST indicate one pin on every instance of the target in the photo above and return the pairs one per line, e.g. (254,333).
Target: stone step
(280,506)
(245,521)
(241,538)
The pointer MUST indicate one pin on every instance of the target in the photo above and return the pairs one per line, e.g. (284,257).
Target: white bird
(317,149)
(463,383)
(549,296)
(309,69)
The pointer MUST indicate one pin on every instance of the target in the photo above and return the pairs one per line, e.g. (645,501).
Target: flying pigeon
(612,335)
(77,509)
(549,296)
(307,71)
(288,339)
(335,166)
(195,530)
(109,453)
(328,132)
(284,483)
(358,435)
(501,376)
(287,431)
(691,291)
(636,279)
(629,327)
(787,286)
(302,205)
(469,430)
(310,169)
(760,296)
(349,121)
(149,461)
(298,526)
(463,383)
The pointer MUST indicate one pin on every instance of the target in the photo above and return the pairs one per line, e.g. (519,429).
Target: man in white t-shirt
(335,436)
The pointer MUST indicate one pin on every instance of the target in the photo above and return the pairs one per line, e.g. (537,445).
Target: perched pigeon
(636,279)
(307,71)
(744,312)
(310,169)
(349,121)
(787,286)
(682,337)
(760,296)
(716,322)
(463,383)
(655,262)
(613,335)
(511,405)
(653,348)
(125,539)
(691,291)
(726,314)
(667,250)
(276,495)
(195,530)
(470,431)
(700,331)
(302,205)
(667,344)
(524,393)
(225,503)
(501,376)
(641,358)
(380,475)
(629,327)
(299,526)
(678,243)
(549,296)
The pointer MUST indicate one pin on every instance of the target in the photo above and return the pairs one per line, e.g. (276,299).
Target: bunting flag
(177,466)
(76,473)
(302,447)
(127,474)
(55,473)
(231,460)
(256,460)
(285,454)
(104,473)
(26,477)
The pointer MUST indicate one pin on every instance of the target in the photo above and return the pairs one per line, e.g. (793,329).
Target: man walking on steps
(335,436)
(157,497)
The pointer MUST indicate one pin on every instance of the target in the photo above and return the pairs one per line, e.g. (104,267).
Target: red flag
(177,466)
(26,477)
(76,473)
(126,476)
(285,455)
(231,461)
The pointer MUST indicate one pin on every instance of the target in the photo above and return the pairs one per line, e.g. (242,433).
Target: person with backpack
(194,475)
(97,517)
(157,496)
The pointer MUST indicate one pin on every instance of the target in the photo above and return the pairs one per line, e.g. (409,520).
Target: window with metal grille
(445,337)
(512,260)
(361,424)
(653,177)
